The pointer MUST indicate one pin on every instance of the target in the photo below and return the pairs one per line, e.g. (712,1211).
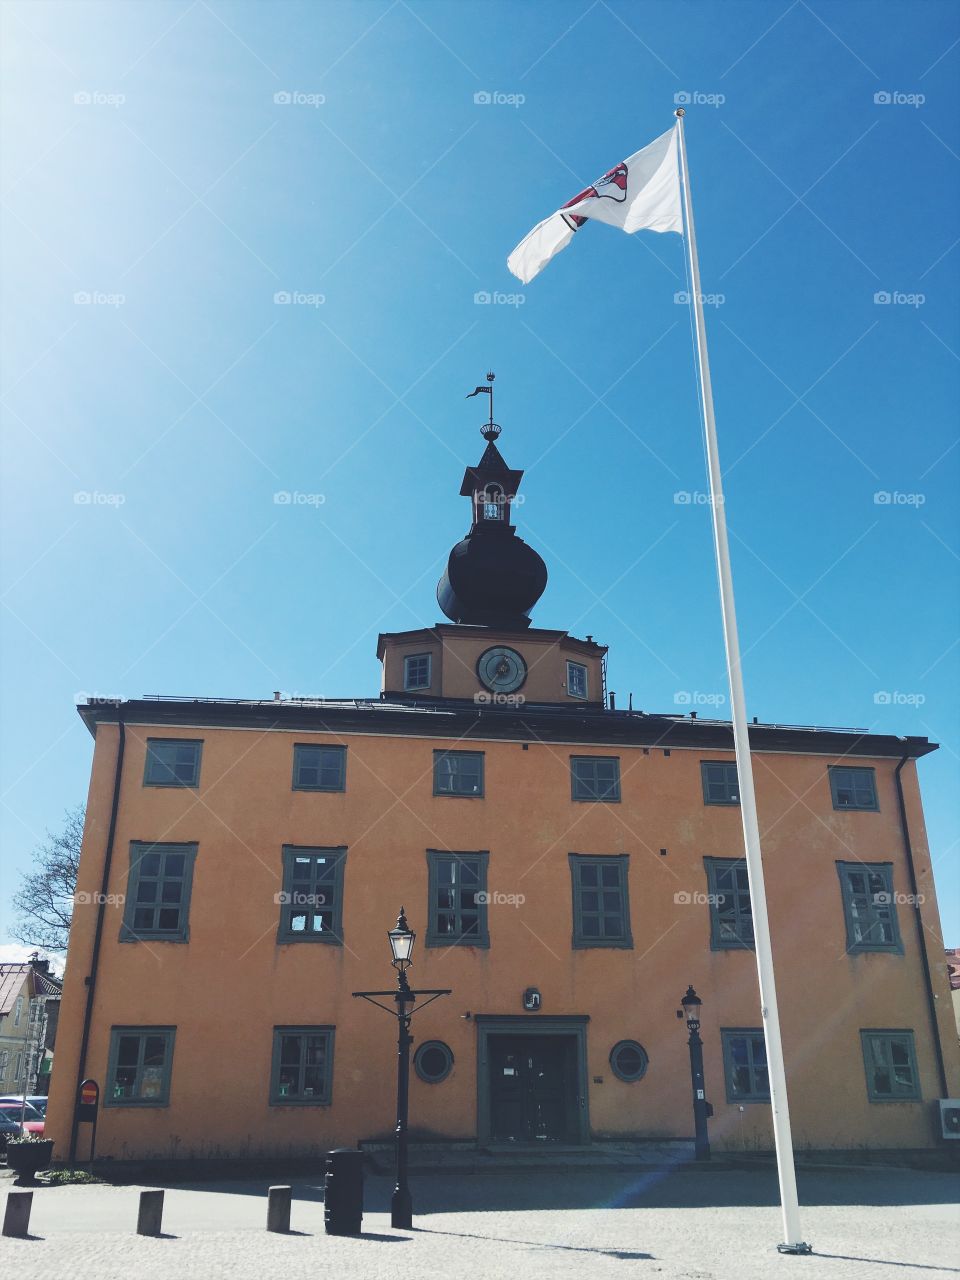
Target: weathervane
(490,430)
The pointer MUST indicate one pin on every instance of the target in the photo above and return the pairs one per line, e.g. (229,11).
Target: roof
(12,978)
(463,718)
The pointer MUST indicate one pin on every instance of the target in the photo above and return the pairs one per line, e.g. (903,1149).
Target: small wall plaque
(531,999)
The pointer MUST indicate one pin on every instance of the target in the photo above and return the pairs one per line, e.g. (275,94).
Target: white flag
(642,193)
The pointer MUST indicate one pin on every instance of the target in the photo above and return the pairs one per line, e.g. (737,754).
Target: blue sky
(149,168)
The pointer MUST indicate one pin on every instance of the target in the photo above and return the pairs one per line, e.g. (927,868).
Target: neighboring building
(953,970)
(25,1043)
(568,868)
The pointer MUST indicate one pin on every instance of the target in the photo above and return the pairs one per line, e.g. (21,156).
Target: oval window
(629,1060)
(433,1061)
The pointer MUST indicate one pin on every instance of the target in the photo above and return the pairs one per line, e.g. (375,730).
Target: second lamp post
(702,1110)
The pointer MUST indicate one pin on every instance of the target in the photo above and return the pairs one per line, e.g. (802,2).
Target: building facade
(29,1008)
(569,869)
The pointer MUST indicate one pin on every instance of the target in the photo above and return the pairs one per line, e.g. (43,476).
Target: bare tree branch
(44,901)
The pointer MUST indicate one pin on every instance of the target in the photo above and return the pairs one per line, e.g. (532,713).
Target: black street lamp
(401,939)
(702,1109)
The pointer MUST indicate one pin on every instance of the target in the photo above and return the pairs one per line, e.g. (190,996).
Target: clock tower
(491,582)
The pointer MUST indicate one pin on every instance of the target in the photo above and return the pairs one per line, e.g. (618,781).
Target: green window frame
(853,788)
(318,766)
(595,778)
(311,900)
(433,1061)
(629,1061)
(159,887)
(172,762)
(601,901)
(458,773)
(731,913)
(302,1066)
(720,782)
(890,1065)
(869,907)
(139,1067)
(458,900)
(745,1070)
(417,671)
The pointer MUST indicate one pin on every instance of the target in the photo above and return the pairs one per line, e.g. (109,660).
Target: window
(576,680)
(158,892)
(853,788)
(171,763)
(433,1061)
(745,1065)
(457,909)
(493,502)
(4,1061)
(629,1061)
(595,777)
(319,768)
(138,1073)
(890,1062)
(458,773)
(731,917)
(18,1068)
(416,671)
(601,911)
(311,903)
(869,906)
(302,1066)
(720,784)
(18,1011)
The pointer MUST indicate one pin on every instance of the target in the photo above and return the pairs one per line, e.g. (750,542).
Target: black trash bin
(343,1192)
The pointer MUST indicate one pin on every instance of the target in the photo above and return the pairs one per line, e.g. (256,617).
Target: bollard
(150,1217)
(16,1219)
(278,1208)
(343,1193)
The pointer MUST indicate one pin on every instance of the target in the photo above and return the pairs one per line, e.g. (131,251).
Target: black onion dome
(492,578)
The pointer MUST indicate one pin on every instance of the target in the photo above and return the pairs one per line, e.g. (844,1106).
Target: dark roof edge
(450,718)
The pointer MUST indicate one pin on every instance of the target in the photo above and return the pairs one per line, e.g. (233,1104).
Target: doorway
(531,1081)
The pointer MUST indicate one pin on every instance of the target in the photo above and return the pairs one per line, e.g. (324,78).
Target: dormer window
(492,503)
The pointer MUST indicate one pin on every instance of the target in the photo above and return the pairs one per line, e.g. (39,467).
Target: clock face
(501,669)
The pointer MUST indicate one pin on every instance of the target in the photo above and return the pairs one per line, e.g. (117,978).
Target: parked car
(32,1119)
(36,1100)
(9,1128)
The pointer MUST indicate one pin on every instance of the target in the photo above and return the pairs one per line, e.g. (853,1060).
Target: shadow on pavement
(625,1254)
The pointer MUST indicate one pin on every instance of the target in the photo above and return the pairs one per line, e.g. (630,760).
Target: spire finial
(490,430)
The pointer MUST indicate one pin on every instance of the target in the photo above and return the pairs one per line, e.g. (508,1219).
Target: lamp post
(692,1004)
(402,938)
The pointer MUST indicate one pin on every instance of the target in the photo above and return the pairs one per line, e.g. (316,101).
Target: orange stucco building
(569,868)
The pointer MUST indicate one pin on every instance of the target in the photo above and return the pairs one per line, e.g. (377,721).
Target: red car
(32,1119)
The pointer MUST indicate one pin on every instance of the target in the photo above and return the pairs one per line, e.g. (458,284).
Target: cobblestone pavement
(863,1225)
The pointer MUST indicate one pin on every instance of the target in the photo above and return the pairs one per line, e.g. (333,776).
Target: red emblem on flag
(612,186)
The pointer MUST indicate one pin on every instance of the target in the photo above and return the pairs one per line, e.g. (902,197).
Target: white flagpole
(793,1242)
